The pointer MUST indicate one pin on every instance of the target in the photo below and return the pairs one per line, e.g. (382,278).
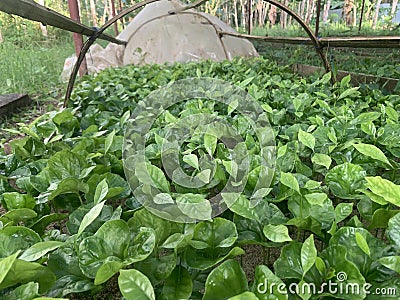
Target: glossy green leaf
(6,264)
(178,285)
(391,262)
(290,181)
(362,243)
(244,296)
(101,191)
(384,188)
(342,211)
(16,200)
(308,254)
(191,160)
(225,281)
(322,159)
(135,286)
(307,139)
(345,179)
(372,151)
(90,217)
(195,206)
(277,233)
(40,249)
(266,284)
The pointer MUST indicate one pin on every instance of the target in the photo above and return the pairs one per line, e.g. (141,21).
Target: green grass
(33,67)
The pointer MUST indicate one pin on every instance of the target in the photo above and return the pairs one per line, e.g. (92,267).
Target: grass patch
(33,68)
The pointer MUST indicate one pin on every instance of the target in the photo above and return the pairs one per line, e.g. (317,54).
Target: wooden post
(113,15)
(361,17)
(78,39)
(318,16)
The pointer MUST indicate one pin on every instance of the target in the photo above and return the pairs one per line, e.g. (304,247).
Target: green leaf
(135,286)
(90,217)
(210,142)
(225,281)
(392,113)
(178,285)
(69,186)
(307,139)
(240,205)
(191,160)
(308,254)
(22,272)
(321,159)
(366,117)
(394,229)
(316,198)
(381,217)
(163,198)
(108,141)
(6,264)
(276,233)
(345,179)
(218,233)
(195,206)
(244,296)
(38,250)
(18,215)
(158,178)
(106,271)
(372,151)
(362,243)
(101,191)
(391,262)
(289,180)
(266,285)
(342,211)
(349,92)
(384,188)
(16,200)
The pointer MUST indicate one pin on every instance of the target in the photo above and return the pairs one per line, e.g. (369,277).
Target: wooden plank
(343,42)
(11,102)
(386,83)
(29,9)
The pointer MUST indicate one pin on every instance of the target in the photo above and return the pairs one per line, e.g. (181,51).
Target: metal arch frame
(318,46)
(89,42)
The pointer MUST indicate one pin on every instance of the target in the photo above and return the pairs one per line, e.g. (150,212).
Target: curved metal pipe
(89,42)
(313,38)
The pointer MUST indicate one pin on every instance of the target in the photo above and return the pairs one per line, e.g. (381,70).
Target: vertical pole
(318,16)
(361,17)
(249,10)
(113,15)
(78,39)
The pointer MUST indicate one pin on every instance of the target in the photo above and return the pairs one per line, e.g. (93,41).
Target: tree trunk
(235,14)
(302,8)
(272,15)
(309,12)
(354,15)
(348,12)
(93,13)
(43,28)
(376,14)
(325,15)
(393,10)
